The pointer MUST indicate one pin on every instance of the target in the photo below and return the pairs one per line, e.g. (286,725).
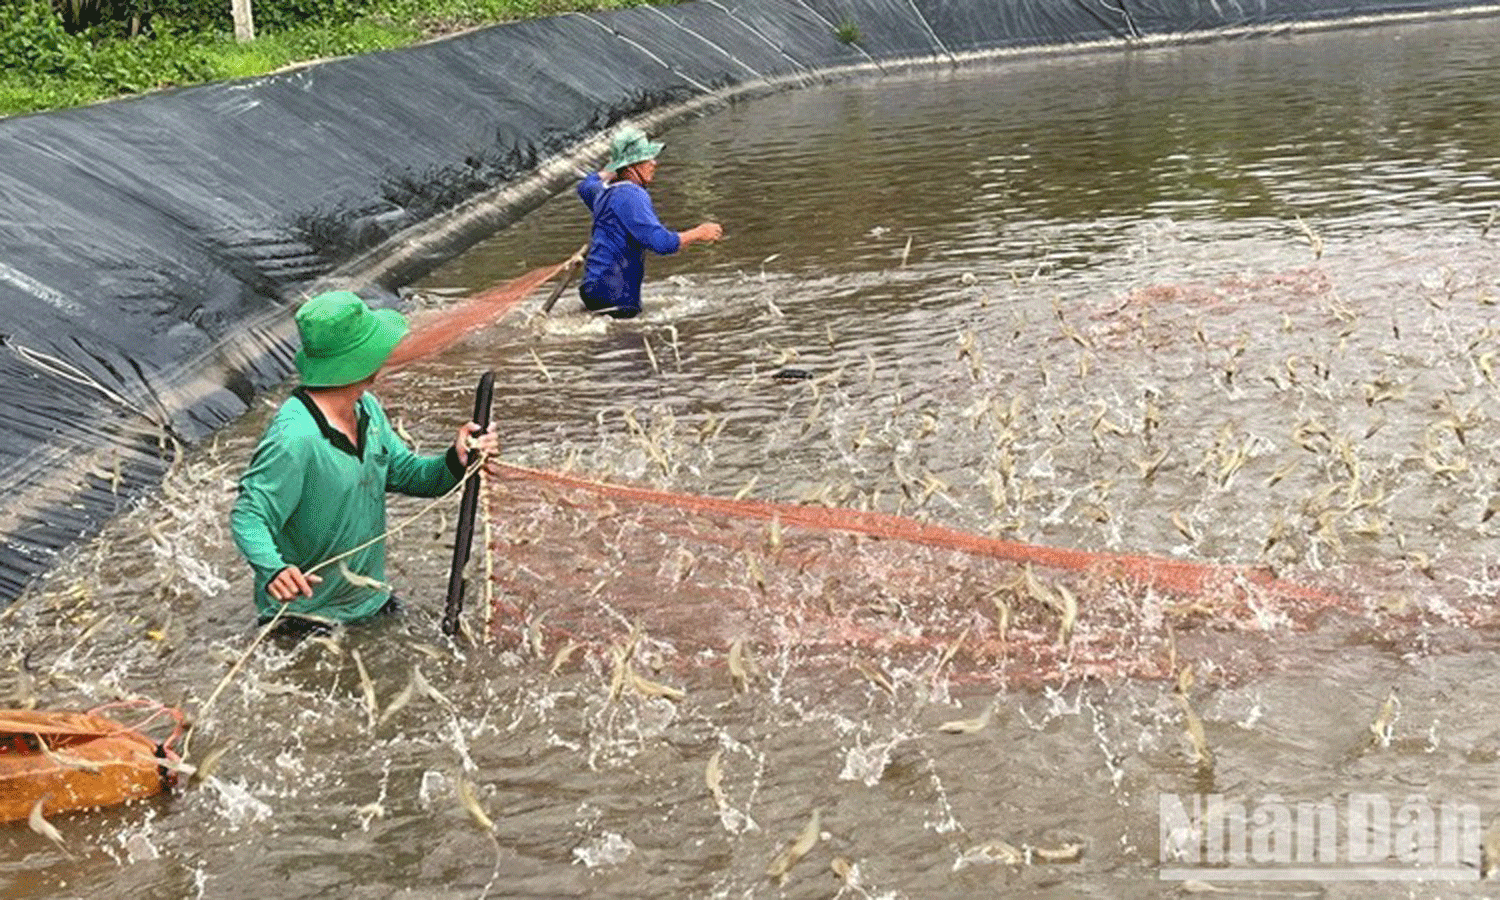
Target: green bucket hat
(631,146)
(343,340)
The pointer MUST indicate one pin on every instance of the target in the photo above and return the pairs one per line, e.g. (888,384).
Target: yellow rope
(489,559)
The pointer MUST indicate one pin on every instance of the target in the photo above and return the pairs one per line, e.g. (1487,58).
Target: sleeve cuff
(454,466)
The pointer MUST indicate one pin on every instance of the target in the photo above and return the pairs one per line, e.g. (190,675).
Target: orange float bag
(71,760)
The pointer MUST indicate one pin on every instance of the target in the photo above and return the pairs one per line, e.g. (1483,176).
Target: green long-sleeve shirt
(309,495)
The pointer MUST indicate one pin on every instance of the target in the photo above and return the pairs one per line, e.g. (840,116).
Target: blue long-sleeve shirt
(625,226)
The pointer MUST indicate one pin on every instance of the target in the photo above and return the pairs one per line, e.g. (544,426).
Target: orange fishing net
(590,562)
(439,331)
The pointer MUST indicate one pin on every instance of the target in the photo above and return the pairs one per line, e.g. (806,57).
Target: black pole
(570,268)
(464,537)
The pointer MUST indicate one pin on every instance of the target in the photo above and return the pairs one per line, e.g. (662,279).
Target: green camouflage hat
(631,146)
(343,340)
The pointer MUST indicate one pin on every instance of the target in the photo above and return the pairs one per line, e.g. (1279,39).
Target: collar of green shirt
(335,437)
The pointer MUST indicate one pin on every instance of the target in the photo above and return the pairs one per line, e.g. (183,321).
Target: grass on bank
(46,65)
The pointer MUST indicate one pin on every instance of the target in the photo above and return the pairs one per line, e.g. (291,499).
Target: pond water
(1232,303)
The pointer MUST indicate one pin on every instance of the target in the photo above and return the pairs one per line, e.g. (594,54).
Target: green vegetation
(70,52)
(847,32)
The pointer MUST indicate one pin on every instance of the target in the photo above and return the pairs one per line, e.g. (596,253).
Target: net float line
(1163,573)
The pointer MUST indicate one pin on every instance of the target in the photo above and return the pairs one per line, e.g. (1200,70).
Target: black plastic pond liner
(155,248)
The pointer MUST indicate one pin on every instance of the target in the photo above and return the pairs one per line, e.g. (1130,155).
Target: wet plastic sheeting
(717,39)
(62,212)
(1156,18)
(36,407)
(712,23)
(797,31)
(688,56)
(41,514)
(888,29)
(563,71)
(1170,17)
(964,26)
(109,288)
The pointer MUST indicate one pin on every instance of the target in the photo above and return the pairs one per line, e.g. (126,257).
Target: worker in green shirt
(316,486)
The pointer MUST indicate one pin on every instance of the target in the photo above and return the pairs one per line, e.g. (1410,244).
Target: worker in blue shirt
(626,226)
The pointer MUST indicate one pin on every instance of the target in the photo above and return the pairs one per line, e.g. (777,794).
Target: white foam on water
(568,321)
(984,854)
(136,842)
(1252,716)
(460,745)
(607,849)
(947,820)
(434,784)
(736,821)
(866,764)
(675,307)
(240,806)
(656,715)
(139,848)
